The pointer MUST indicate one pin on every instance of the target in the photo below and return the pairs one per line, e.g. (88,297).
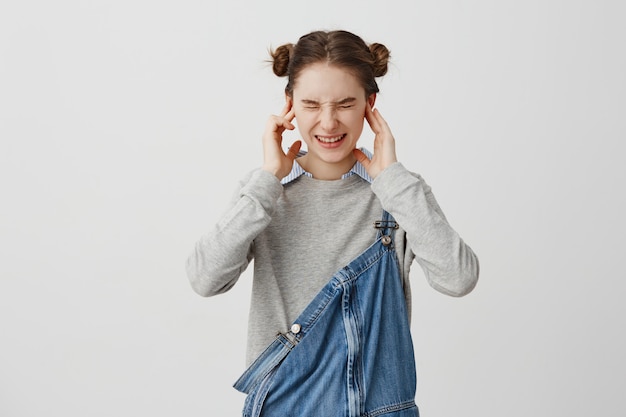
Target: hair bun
(280,59)
(381,58)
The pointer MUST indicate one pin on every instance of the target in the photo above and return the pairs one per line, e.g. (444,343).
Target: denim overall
(349,354)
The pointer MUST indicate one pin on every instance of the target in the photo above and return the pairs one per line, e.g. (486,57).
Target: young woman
(333,232)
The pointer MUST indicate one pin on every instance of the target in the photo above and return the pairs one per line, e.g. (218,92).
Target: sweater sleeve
(225,251)
(450,265)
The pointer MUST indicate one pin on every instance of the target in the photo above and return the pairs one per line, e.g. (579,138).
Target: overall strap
(386,228)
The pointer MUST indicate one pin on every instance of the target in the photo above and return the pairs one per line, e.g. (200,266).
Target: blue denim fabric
(349,354)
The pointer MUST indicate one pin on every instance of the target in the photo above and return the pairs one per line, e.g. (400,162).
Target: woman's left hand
(384,144)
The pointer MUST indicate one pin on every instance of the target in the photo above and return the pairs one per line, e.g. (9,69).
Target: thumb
(361,157)
(294,149)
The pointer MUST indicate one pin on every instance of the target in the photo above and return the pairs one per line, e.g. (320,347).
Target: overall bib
(350,352)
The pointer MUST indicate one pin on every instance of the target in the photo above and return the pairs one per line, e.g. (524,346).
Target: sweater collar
(297,170)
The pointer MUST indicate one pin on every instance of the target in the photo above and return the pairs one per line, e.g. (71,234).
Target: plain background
(125,125)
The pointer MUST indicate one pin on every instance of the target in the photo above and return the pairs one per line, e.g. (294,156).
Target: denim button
(386,240)
(295,329)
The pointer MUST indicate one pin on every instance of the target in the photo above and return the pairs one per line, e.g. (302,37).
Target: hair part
(339,48)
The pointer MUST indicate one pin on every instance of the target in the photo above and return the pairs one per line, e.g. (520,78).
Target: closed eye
(310,104)
(346,103)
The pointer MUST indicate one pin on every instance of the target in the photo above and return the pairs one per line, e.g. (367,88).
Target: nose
(328,119)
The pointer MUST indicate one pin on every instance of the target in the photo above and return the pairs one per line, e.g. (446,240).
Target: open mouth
(330,139)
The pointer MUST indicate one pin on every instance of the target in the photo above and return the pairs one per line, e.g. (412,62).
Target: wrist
(272,170)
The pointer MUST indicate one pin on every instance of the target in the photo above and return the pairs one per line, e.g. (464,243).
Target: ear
(371,100)
(288,99)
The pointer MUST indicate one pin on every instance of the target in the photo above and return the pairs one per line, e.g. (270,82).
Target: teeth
(329,140)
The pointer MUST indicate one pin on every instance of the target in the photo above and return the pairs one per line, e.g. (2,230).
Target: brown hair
(339,48)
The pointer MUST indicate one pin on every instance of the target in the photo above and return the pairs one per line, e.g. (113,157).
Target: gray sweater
(301,233)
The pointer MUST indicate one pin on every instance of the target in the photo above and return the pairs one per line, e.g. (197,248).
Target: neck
(326,171)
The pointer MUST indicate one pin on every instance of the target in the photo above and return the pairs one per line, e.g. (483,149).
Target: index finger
(371,119)
(290,115)
(286,109)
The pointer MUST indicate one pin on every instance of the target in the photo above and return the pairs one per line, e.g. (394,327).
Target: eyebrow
(346,100)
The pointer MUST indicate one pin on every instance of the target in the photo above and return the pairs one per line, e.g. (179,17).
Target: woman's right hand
(275,160)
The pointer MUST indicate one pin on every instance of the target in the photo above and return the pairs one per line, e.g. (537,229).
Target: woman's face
(329,107)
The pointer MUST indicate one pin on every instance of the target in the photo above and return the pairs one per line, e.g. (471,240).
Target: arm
(449,264)
(222,254)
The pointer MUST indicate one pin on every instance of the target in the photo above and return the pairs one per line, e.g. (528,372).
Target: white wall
(124,126)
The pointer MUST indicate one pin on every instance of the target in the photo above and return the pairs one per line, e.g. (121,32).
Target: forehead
(323,82)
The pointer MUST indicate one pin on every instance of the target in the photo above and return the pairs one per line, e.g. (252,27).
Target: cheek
(304,119)
(355,119)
